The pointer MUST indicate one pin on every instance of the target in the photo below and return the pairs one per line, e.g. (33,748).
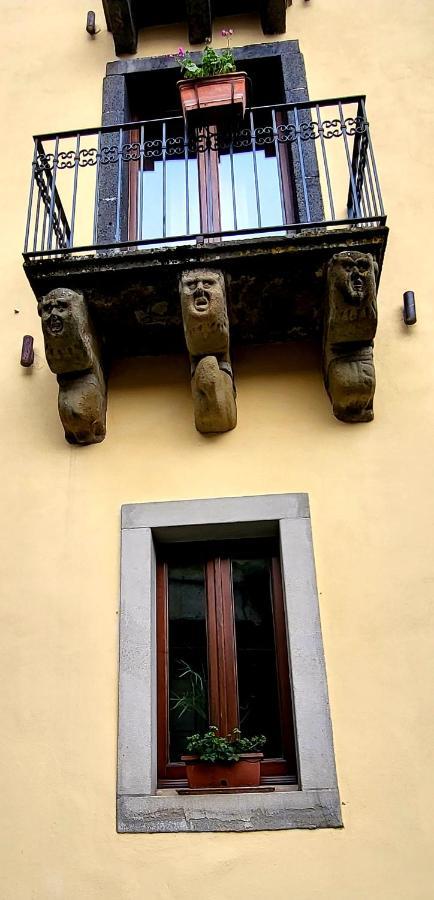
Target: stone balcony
(118,213)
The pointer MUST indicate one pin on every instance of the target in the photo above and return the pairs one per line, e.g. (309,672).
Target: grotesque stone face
(72,353)
(66,328)
(353,274)
(55,309)
(351,304)
(349,329)
(206,329)
(203,301)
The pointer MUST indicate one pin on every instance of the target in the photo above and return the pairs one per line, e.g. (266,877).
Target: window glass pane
(188,665)
(245,190)
(256,653)
(177,179)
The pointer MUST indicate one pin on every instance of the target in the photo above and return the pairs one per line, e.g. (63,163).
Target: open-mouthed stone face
(66,329)
(56,309)
(203,301)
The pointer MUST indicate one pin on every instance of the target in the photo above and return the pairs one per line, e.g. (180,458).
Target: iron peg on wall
(27,352)
(91,24)
(409,311)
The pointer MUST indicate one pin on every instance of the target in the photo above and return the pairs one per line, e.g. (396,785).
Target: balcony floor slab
(275,286)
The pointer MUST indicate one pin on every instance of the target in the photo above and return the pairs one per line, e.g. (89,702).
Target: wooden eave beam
(121,21)
(199,20)
(273,15)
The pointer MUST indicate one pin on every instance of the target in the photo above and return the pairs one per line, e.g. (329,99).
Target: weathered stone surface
(351,386)
(204,313)
(206,330)
(123,291)
(213,397)
(82,407)
(72,353)
(229,812)
(349,329)
(69,343)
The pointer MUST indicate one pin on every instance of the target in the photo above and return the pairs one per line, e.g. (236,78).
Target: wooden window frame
(222,655)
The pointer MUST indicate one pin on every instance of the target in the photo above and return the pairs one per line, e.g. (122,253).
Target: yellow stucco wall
(370,487)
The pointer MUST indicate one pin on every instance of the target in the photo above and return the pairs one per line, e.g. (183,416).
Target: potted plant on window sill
(212,86)
(223,762)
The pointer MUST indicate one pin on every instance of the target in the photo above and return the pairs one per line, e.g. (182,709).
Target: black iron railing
(142,184)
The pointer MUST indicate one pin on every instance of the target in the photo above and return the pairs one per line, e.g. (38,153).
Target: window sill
(285,808)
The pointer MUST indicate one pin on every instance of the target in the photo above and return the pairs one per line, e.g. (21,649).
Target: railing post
(29,209)
(53,193)
(374,167)
(74,190)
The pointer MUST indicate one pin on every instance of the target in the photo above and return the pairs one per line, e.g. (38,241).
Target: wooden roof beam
(199,19)
(121,21)
(273,15)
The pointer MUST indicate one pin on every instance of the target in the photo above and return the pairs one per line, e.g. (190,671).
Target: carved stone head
(66,329)
(204,312)
(351,313)
(354,274)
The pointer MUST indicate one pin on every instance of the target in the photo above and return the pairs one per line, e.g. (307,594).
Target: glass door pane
(256,652)
(238,197)
(188,659)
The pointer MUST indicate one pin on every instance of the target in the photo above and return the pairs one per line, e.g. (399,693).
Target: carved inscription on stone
(206,329)
(349,329)
(72,354)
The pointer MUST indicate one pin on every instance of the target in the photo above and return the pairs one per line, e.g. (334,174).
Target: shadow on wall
(295,360)
(277,375)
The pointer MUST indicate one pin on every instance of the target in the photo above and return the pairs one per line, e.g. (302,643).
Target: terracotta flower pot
(244,773)
(205,99)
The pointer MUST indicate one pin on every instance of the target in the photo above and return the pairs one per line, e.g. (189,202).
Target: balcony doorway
(216,180)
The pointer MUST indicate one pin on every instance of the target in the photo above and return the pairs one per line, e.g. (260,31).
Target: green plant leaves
(193,697)
(210,747)
(213,62)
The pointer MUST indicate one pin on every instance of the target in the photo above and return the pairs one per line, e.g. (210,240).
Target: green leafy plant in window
(211,747)
(193,697)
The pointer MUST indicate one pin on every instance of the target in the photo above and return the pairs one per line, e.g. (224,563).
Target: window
(222,653)
(221,546)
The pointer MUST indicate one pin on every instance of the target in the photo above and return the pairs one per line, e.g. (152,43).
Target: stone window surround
(143,808)
(116,110)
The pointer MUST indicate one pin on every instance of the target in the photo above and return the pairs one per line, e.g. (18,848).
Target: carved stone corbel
(349,329)
(73,355)
(206,329)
